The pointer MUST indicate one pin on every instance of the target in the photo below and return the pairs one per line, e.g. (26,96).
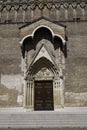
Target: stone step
(42,120)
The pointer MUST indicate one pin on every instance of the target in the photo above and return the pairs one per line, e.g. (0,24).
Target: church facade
(43,54)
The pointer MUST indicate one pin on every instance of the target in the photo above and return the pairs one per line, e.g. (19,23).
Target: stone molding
(42,4)
(23,12)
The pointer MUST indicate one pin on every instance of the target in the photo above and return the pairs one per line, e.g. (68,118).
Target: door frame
(58,93)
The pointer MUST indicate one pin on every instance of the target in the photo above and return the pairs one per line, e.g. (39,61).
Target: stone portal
(43,63)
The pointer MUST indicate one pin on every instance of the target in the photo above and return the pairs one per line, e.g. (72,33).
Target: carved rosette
(66,5)
(33,6)
(8,7)
(41,6)
(57,6)
(24,6)
(74,5)
(16,7)
(83,5)
(49,5)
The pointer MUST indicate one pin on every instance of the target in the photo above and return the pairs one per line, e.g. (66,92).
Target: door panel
(43,95)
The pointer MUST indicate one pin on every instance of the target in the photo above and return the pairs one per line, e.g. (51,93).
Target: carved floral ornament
(16,7)
(66,5)
(33,6)
(74,5)
(82,5)
(41,5)
(8,7)
(24,6)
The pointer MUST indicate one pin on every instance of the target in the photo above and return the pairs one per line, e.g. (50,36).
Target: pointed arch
(42,59)
(42,63)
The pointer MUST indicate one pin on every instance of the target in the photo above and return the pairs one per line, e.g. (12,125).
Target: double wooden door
(43,95)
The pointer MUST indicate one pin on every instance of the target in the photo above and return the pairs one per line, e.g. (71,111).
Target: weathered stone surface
(10,65)
(76,62)
(12,81)
(20,100)
(75,99)
(10,52)
(8,97)
(4,97)
(9,31)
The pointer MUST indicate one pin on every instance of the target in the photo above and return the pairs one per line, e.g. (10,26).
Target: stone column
(23,15)
(24,95)
(25,81)
(16,15)
(30,95)
(58,93)
(66,14)
(57,15)
(74,13)
(32,103)
(83,14)
(32,15)
(7,16)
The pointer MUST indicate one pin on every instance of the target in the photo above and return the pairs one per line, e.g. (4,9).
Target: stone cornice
(41,4)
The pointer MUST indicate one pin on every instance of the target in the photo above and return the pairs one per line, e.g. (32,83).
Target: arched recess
(59,44)
(43,32)
(44,28)
(27,45)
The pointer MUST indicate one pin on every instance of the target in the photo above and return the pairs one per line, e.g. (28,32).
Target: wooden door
(43,95)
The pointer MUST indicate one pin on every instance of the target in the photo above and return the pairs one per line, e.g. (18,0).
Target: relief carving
(44,72)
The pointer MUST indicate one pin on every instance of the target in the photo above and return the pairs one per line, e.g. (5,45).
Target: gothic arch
(43,63)
(43,32)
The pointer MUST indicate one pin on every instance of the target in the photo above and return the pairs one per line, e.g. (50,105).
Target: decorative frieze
(41,6)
